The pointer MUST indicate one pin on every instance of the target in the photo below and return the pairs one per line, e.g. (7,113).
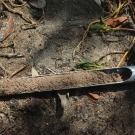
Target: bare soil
(50,47)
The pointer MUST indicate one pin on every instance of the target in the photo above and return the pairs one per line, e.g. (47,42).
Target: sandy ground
(50,46)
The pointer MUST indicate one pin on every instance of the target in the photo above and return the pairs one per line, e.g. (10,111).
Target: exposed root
(116,52)
(18,12)
(16,5)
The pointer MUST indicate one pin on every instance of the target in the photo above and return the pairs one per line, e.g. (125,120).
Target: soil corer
(10,86)
(127,73)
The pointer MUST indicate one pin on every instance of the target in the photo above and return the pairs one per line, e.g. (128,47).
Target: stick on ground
(124,56)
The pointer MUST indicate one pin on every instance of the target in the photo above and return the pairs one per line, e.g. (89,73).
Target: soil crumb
(57,82)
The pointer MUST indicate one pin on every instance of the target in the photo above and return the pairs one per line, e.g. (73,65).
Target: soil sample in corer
(98,77)
(56,82)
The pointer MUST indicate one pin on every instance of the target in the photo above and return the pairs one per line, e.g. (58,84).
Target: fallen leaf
(37,3)
(98,2)
(5,32)
(115,21)
(64,100)
(93,96)
(34,72)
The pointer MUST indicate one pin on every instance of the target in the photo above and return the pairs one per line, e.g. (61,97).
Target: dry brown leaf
(94,96)
(115,21)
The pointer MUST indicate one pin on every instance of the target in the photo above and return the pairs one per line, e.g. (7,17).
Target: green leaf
(88,65)
(102,20)
(98,27)
(74,69)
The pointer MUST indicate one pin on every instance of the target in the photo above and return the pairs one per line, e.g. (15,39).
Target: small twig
(16,5)
(4,69)
(30,26)
(12,55)
(110,6)
(117,52)
(17,71)
(50,70)
(42,16)
(84,36)
(124,29)
(132,43)
(123,58)
(9,44)
(18,12)
(116,12)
